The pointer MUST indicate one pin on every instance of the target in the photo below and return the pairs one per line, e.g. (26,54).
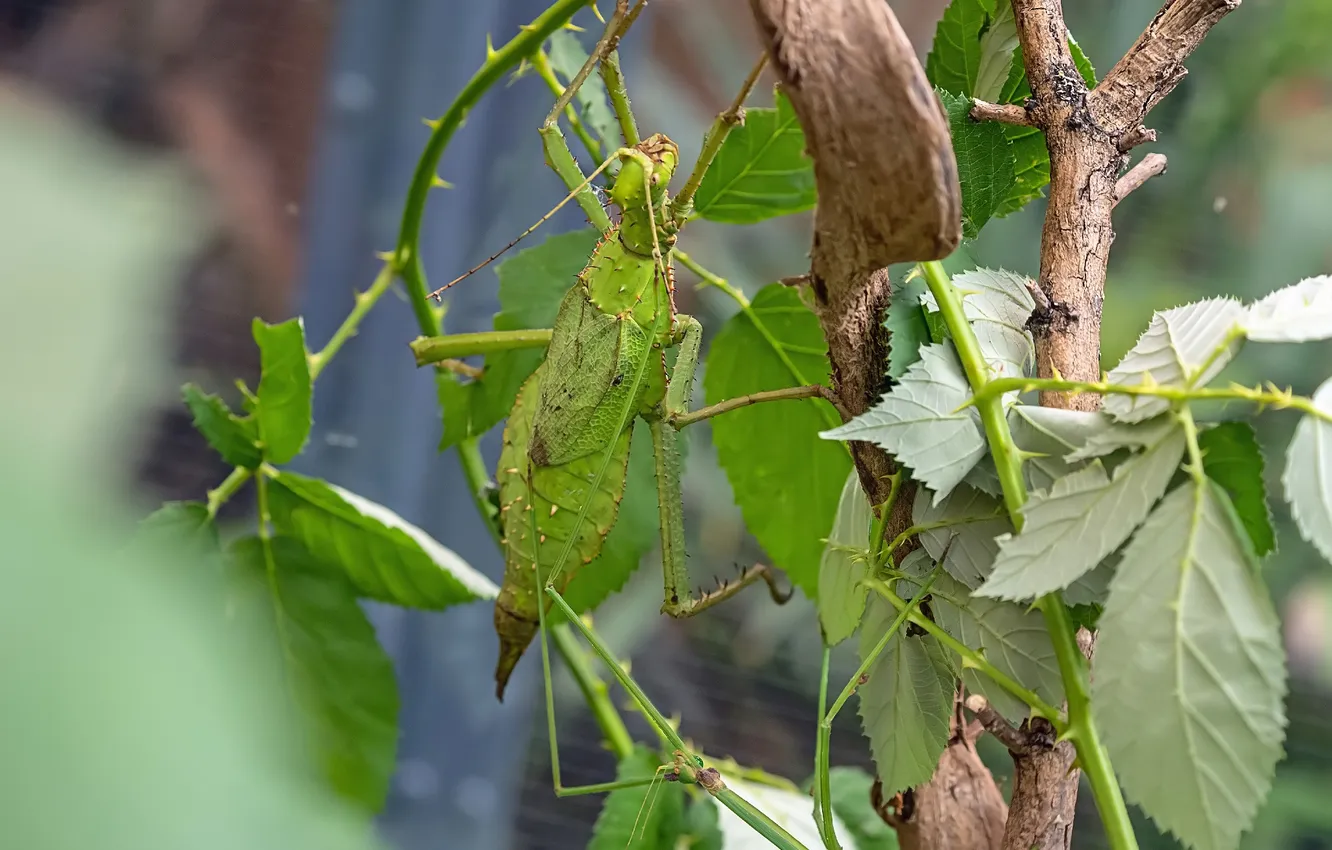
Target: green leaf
(984,162)
(703,824)
(385,557)
(632,817)
(1182,347)
(996,54)
(908,331)
(1081,521)
(997,304)
(1232,458)
(1297,313)
(850,788)
(845,565)
(1190,672)
(785,479)
(531,284)
(955,58)
(566,58)
(230,436)
(283,410)
(906,703)
(1308,476)
(920,424)
(1012,637)
(761,170)
(325,654)
(974,520)
(184,525)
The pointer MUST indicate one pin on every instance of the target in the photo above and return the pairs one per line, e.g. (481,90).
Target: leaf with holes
(787,484)
(919,422)
(234,438)
(1232,458)
(1081,521)
(1297,313)
(385,557)
(973,520)
(1190,672)
(1012,637)
(907,329)
(1308,476)
(997,304)
(283,407)
(761,170)
(984,163)
(845,565)
(531,285)
(1183,347)
(906,703)
(324,653)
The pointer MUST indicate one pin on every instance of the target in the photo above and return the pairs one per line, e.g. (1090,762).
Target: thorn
(570,25)
(385,256)
(441,183)
(432,123)
(491,52)
(597,12)
(541,538)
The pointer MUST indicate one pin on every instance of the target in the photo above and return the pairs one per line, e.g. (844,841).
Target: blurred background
(289,131)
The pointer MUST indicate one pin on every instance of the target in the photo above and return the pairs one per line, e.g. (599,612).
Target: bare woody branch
(1004,113)
(1150,166)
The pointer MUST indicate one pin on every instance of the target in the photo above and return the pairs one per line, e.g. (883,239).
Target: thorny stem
(713,139)
(541,62)
(218,496)
(347,330)
(972,658)
(813,391)
(1073,667)
(1272,397)
(407,255)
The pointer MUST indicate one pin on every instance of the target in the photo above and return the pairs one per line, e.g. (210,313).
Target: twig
(1004,113)
(1150,166)
(1015,739)
(813,391)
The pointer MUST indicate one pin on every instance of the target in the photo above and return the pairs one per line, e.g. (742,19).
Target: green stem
(407,254)
(716,135)
(1271,397)
(1073,667)
(972,658)
(595,692)
(347,330)
(823,785)
(434,349)
(761,823)
(1007,456)
(218,496)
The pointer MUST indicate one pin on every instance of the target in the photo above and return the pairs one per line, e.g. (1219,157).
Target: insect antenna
(495,256)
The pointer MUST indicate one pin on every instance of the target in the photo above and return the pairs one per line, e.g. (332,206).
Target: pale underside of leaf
(996,54)
(1296,313)
(906,703)
(1124,435)
(1308,476)
(1183,347)
(1012,637)
(841,599)
(1190,672)
(997,303)
(970,543)
(919,422)
(1051,435)
(1082,520)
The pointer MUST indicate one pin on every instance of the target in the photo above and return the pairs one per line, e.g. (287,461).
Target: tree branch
(1004,113)
(1150,166)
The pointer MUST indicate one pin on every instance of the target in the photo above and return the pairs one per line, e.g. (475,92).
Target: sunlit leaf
(283,410)
(1190,672)
(1232,458)
(230,436)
